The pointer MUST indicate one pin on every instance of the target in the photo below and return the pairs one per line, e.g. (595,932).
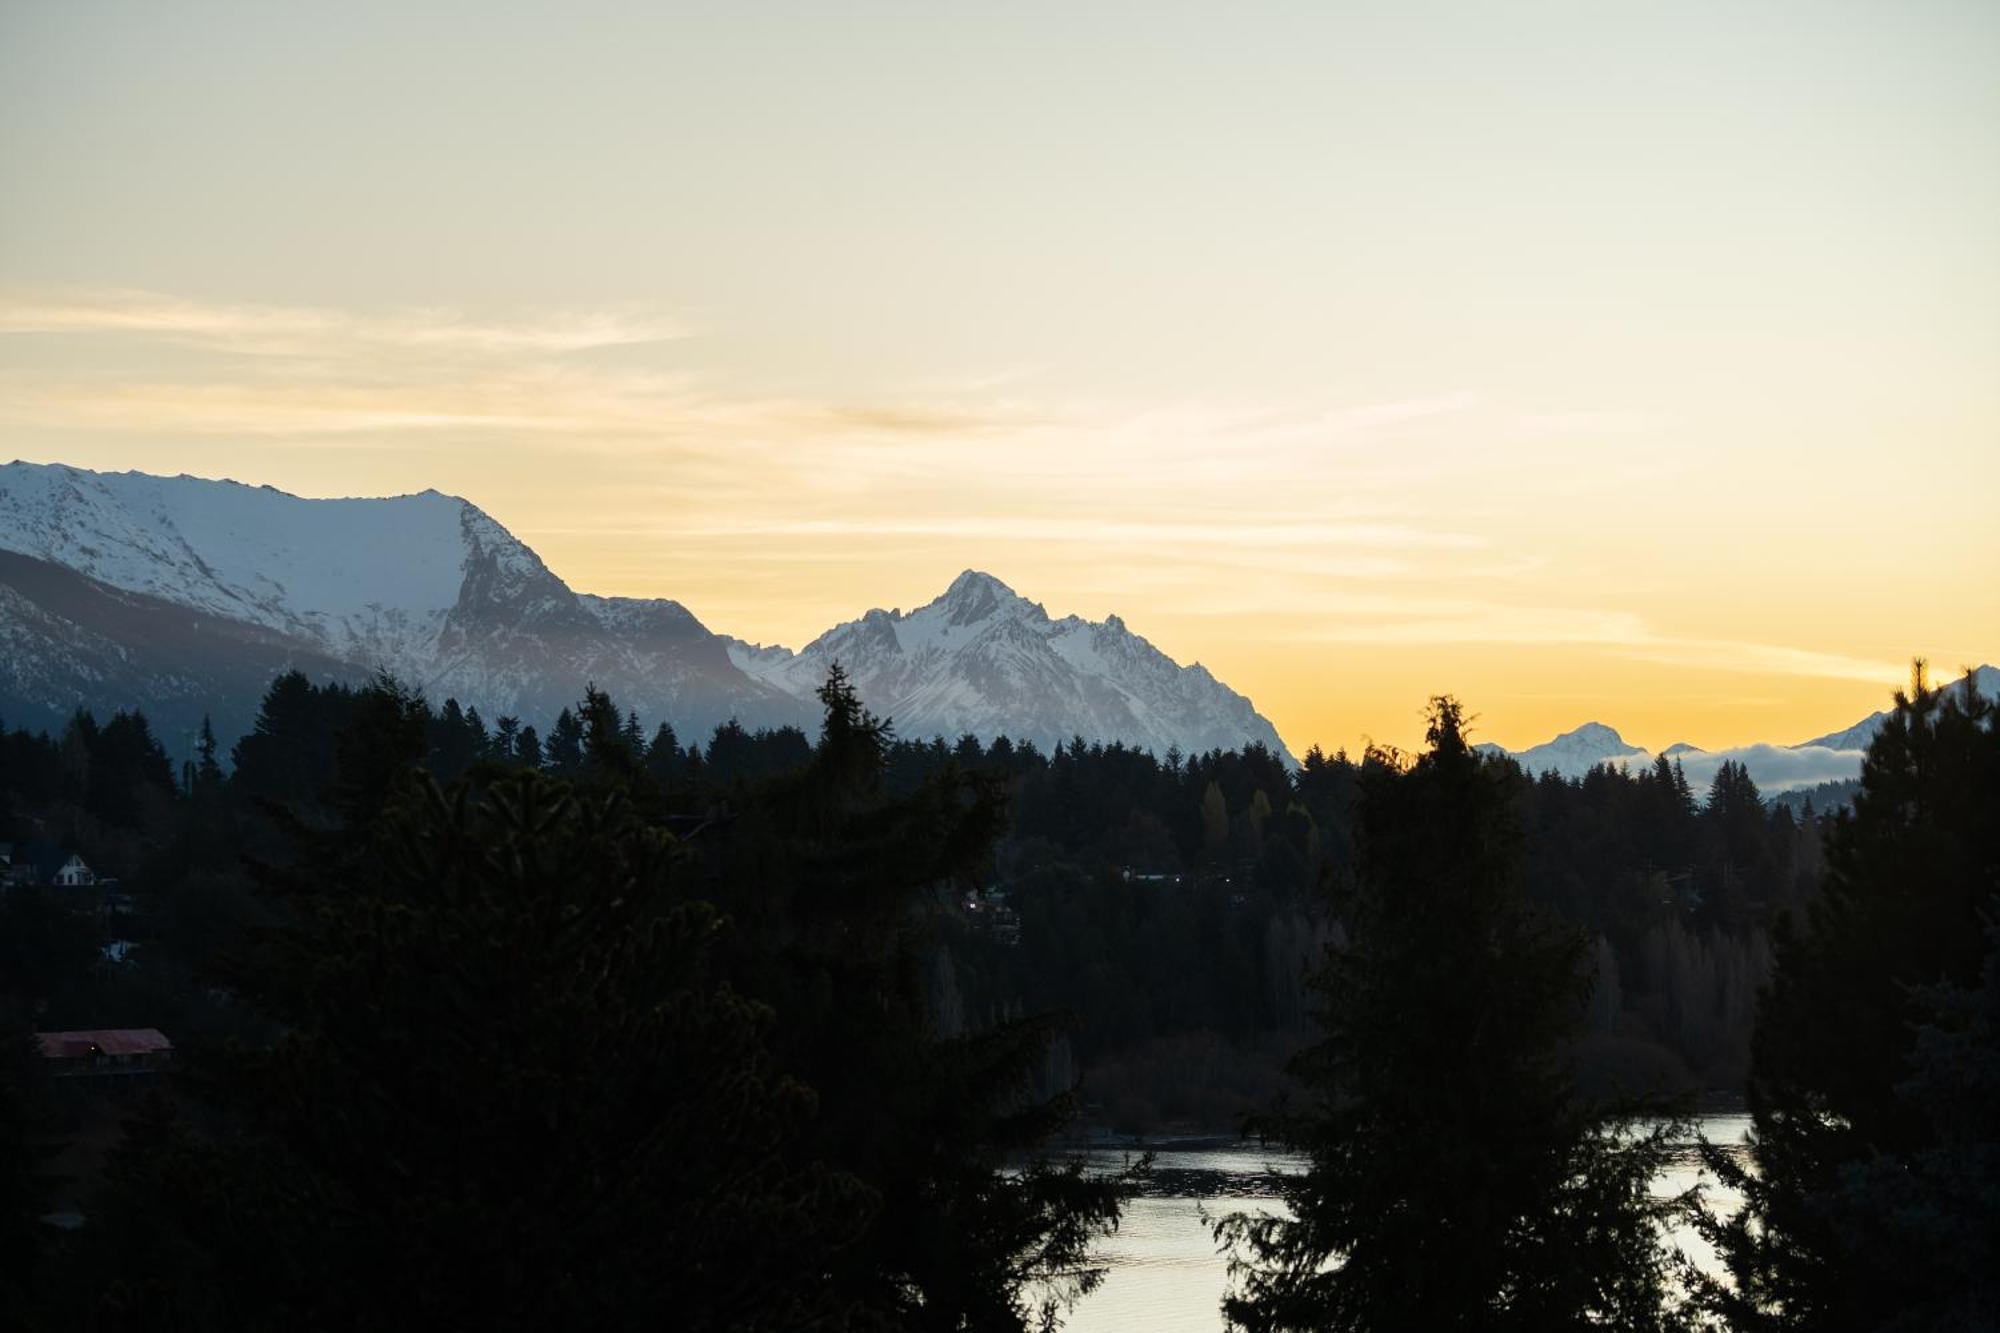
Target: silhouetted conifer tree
(528,749)
(564,753)
(1456,1180)
(207,771)
(1832,1236)
(841,880)
(513,1092)
(663,756)
(28,1123)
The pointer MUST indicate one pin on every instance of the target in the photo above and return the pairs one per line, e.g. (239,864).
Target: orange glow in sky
(1584,361)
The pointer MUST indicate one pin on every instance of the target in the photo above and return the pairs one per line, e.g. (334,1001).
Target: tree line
(1173,904)
(531,1051)
(760,977)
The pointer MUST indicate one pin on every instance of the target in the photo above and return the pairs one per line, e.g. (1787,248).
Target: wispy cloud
(1765,659)
(1406,620)
(1106,531)
(1352,522)
(271,330)
(1394,619)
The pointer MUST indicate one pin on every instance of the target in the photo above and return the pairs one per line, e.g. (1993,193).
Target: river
(1165,1275)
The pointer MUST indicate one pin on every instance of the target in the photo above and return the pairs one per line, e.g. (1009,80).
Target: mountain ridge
(981,658)
(1833,757)
(431,588)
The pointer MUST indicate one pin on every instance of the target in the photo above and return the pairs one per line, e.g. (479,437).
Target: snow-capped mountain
(1575,753)
(180,596)
(1985,680)
(425,586)
(1833,757)
(985,660)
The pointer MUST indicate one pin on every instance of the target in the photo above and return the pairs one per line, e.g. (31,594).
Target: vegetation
(459,1008)
(539,1052)
(1871,1200)
(1456,1179)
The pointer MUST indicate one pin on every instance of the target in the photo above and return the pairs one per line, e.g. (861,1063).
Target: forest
(444,993)
(1172,905)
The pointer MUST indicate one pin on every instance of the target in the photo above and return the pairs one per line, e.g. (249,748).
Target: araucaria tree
(1870,1198)
(1456,1179)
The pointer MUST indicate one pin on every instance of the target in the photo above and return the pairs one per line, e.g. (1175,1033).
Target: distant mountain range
(1833,757)
(183,596)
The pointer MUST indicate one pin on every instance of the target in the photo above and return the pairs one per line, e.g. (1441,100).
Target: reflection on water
(1165,1273)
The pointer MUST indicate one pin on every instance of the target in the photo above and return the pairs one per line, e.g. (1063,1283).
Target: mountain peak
(1575,753)
(977,578)
(973,596)
(983,659)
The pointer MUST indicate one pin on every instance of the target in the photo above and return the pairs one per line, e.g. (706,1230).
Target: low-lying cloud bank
(1774,768)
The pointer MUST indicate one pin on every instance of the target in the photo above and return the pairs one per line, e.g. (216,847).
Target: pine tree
(287,757)
(607,748)
(663,756)
(564,754)
(836,881)
(1457,1181)
(207,771)
(504,747)
(1909,873)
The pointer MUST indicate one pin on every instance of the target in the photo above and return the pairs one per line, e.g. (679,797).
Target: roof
(44,858)
(107,1041)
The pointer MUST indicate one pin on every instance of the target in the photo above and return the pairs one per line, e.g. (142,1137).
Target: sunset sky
(1637,362)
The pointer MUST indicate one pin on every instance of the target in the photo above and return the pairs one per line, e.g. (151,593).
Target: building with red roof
(106,1052)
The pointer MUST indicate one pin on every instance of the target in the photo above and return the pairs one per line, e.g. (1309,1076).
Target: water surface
(1165,1273)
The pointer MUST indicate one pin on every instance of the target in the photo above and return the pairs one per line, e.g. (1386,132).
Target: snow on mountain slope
(1774,768)
(67,639)
(1985,681)
(983,659)
(1575,753)
(359,577)
(426,586)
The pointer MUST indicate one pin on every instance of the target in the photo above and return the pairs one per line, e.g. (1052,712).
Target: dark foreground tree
(27,1124)
(1457,1181)
(1849,1223)
(513,1093)
(836,884)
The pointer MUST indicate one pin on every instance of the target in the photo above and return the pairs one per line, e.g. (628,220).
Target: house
(106,1052)
(74,873)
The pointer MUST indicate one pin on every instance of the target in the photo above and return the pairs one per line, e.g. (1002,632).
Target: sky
(1614,360)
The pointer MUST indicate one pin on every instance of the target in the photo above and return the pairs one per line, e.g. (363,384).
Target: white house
(74,874)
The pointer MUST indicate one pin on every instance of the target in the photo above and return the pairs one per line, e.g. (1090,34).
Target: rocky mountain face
(985,660)
(179,595)
(66,639)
